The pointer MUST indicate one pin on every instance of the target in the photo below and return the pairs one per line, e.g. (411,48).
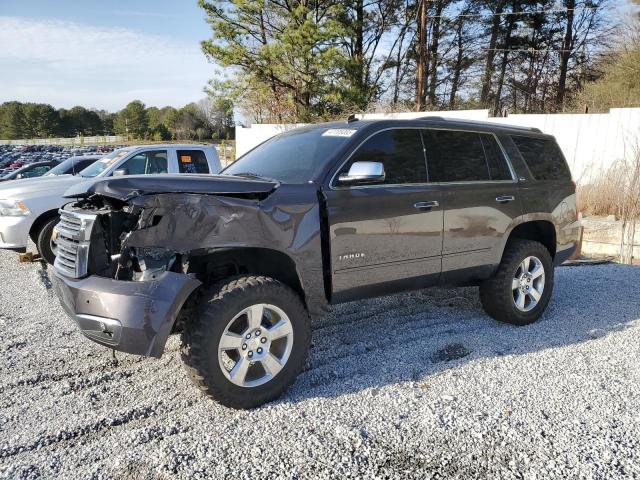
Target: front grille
(72,240)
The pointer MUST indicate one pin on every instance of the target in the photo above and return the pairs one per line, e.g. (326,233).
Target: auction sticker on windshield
(339,132)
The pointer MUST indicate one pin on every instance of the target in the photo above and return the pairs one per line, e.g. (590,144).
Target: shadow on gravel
(43,275)
(409,337)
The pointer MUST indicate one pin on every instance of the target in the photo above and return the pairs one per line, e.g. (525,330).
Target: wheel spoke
(239,371)
(535,295)
(230,341)
(280,329)
(520,300)
(254,315)
(525,265)
(271,364)
(515,284)
(537,271)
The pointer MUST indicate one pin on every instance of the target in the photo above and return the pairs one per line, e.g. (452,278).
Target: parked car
(73,165)
(32,170)
(316,216)
(29,208)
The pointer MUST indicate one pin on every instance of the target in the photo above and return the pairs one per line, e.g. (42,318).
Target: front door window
(144,163)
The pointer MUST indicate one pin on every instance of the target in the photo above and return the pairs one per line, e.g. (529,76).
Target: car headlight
(13,208)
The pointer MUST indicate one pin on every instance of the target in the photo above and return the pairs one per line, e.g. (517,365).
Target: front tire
(521,288)
(43,240)
(247,341)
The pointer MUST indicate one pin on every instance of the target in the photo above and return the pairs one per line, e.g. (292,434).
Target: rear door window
(399,150)
(543,157)
(192,161)
(454,156)
(143,163)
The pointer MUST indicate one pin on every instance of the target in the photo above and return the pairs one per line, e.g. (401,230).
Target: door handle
(505,198)
(426,205)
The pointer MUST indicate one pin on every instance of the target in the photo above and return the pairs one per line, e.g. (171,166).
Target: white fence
(69,142)
(590,142)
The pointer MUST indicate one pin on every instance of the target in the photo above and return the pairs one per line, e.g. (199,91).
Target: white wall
(249,137)
(590,142)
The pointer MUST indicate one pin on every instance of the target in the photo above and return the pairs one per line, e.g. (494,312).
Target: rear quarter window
(543,157)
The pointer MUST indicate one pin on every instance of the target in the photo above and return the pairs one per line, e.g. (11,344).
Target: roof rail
(430,117)
(485,122)
(470,122)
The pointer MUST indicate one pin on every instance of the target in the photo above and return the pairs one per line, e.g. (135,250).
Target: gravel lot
(420,385)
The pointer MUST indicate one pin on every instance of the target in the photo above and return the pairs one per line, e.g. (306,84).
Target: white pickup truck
(29,208)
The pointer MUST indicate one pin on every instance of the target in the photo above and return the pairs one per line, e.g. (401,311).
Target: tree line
(205,120)
(302,60)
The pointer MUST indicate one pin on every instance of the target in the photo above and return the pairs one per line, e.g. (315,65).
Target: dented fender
(149,233)
(287,221)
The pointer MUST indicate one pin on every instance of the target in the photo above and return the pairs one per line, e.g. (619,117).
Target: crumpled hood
(33,187)
(128,187)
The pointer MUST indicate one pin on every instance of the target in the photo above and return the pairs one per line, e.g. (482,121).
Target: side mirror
(363,172)
(120,173)
(19,176)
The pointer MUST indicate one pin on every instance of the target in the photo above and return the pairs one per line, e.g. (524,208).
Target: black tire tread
(43,240)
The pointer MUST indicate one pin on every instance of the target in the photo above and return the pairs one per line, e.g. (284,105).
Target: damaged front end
(121,297)
(130,251)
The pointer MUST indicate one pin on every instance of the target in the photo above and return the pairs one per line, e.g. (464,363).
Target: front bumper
(132,317)
(14,231)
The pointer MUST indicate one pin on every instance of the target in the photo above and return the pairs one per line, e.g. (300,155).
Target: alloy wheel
(528,284)
(255,345)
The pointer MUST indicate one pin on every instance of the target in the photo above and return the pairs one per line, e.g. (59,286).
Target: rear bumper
(14,232)
(131,317)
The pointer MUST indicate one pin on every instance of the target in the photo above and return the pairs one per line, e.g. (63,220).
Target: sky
(103,54)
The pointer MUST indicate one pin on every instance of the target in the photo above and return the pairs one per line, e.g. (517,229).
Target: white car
(29,208)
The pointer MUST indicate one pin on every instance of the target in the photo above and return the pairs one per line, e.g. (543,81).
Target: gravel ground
(419,385)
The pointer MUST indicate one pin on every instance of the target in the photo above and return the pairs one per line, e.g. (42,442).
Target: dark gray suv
(241,262)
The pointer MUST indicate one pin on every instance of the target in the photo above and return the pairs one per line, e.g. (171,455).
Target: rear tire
(520,290)
(43,240)
(225,313)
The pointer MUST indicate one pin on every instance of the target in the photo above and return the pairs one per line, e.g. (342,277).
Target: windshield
(103,164)
(291,157)
(61,169)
